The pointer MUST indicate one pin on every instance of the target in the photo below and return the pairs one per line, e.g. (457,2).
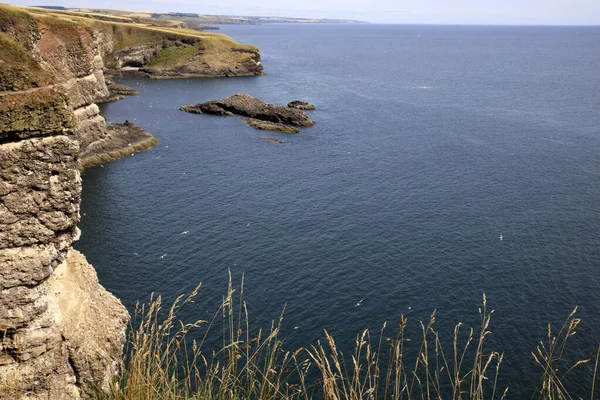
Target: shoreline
(123,140)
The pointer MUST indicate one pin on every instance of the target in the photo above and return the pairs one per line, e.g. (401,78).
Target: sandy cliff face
(61,333)
(59,329)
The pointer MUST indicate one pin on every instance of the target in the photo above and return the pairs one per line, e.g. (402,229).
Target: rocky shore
(122,140)
(270,126)
(261,115)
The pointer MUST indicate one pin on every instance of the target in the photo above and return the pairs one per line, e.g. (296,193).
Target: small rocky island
(261,115)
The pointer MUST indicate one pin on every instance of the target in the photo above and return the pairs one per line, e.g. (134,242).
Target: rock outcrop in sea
(261,115)
(270,126)
(301,105)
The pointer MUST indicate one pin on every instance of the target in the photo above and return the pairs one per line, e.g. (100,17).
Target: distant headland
(190,20)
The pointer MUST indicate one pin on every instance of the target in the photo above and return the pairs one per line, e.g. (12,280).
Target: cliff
(42,49)
(61,332)
(162,51)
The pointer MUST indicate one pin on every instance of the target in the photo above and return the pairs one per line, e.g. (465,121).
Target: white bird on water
(359,303)
(164,255)
(500,237)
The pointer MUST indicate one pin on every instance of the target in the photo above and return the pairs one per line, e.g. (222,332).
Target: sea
(447,162)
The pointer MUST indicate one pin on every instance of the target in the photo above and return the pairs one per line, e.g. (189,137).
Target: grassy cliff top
(139,30)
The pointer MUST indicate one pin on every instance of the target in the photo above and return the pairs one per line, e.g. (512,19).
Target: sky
(484,12)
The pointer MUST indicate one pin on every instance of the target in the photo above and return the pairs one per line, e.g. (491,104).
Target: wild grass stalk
(162,362)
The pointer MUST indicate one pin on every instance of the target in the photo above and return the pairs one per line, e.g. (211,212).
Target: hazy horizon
(462,12)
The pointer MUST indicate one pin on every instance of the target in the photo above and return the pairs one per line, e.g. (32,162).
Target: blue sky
(528,12)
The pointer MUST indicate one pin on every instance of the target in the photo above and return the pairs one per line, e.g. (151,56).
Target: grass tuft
(163,362)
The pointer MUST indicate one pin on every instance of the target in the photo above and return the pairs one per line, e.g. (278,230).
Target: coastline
(54,315)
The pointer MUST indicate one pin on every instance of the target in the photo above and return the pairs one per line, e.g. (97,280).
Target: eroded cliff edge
(61,332)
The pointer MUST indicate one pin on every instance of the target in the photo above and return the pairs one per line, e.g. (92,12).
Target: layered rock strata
(73,55)
(61,333)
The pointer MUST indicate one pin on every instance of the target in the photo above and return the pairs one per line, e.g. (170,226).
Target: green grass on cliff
(18,69)
(127,33)
(18,25)
(174,55)
(161,362)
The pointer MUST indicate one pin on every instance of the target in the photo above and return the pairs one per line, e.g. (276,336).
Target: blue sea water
(430,143)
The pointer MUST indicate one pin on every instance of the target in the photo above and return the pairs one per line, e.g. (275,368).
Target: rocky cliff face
(177,53)
(61,333)
(73,55)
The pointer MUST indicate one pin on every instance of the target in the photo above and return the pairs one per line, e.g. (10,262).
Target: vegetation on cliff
(164,362)
(18,33)
(159,51)
(36,112)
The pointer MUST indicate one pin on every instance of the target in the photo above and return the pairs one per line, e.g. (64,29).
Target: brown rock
(301,105)
(122,140)
(246,105)
(274,140)
(271,126)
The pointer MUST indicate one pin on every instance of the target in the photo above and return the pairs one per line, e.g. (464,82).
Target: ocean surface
(430,142)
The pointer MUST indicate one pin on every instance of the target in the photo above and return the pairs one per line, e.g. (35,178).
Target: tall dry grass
(162,362)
